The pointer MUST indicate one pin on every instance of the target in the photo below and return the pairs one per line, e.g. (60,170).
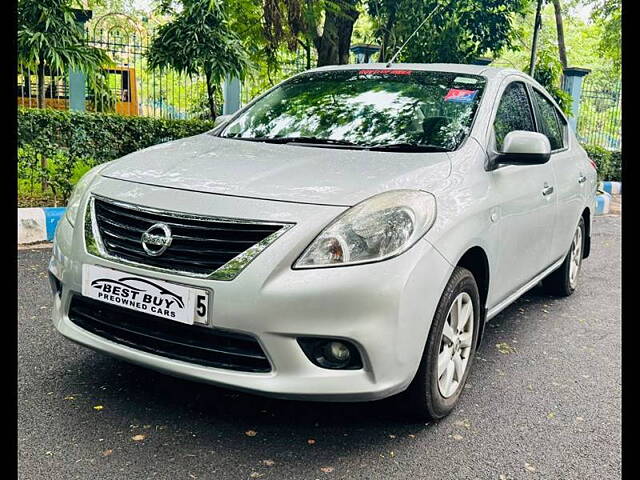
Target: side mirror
(221,120)
(523,148)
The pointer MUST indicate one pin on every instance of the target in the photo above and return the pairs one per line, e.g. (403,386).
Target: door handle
(547,190)
(582,179)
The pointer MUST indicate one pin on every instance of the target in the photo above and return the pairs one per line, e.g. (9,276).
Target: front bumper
(384,308)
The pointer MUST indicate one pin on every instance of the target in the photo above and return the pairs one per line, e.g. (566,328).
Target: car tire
(563,281)
(425,398)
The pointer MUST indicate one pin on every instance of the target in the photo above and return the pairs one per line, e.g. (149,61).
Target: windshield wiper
(408,147)
(391,147)
(308,140)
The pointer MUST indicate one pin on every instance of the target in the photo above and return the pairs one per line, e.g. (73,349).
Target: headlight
(380,227)
(73,204)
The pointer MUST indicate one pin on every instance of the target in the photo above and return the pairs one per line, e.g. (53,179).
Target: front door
(525,201)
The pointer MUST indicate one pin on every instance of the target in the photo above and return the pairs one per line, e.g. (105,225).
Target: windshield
(365,108)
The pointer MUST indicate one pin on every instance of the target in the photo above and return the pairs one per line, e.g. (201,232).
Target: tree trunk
(562,49)
(41,86)
(333,45)
(211,95)
(327,44)
(307,52)
(534,44)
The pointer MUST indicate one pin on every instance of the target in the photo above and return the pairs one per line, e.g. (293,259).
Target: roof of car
(484,70)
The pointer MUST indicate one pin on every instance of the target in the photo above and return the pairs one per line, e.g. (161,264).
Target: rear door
(524,199)
(570,171)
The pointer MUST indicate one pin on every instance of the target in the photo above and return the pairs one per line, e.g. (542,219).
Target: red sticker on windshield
(459,95)
(387,72)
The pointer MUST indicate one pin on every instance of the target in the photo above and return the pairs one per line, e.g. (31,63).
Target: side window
(514,113)
(551,124)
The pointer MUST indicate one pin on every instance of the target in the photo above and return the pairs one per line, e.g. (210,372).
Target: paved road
(543,402)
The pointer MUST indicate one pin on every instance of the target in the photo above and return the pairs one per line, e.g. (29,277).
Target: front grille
(194,344)
(200,245)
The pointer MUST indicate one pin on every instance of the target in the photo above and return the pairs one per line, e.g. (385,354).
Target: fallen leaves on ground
(326,469)
(268,463)
(138,438)
(455,436)
(98,407)
(463,423)
(107,452)
(505,348)
(529,468)
(256,475)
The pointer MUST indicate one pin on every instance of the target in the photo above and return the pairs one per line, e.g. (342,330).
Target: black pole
(536,30)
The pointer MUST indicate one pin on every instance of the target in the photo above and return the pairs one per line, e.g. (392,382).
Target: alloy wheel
(455,345)
(576,258)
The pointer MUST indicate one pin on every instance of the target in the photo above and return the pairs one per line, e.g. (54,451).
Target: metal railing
(135,88)
(600,116)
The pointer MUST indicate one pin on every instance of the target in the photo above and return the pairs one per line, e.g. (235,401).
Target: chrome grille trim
(95,241)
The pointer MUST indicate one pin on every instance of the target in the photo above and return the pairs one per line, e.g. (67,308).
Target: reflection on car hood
(330,176)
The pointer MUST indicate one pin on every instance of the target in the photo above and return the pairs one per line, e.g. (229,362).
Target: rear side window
(514,113)
(551,123)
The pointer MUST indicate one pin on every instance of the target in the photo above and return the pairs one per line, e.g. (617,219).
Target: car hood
(293,173)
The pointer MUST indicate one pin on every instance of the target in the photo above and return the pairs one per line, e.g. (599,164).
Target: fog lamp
(337,352)
(331,353)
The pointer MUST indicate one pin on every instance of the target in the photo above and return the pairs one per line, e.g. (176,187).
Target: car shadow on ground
(142,389)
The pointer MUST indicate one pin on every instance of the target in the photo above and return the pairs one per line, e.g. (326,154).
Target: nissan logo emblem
(156,239)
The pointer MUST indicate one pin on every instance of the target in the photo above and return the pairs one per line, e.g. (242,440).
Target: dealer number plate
(156,297)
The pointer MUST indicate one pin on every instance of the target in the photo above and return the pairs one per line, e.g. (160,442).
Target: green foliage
(72,142)
(61,173)
(608,163)
(608,14)
(548,73)
(102,137)
(582,41)
(50,39)
(456,33)
(199,40)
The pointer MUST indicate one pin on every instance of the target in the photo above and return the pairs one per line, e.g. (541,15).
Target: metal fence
(135,88)
(140,91)
(600,117)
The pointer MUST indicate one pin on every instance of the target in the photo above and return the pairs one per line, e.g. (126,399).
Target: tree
(457,32)
(548,73)
(562,49)
(198,40)
(325,24)
(50,40)
(608,14)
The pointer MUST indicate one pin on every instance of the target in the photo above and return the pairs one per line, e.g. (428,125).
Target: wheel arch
(586,215)
(475,260)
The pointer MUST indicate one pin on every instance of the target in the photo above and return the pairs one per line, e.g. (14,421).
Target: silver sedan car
(345,236)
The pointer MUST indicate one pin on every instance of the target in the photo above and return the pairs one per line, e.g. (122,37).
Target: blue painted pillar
(231,95)
(77,90)
(572,84)
(77,79)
